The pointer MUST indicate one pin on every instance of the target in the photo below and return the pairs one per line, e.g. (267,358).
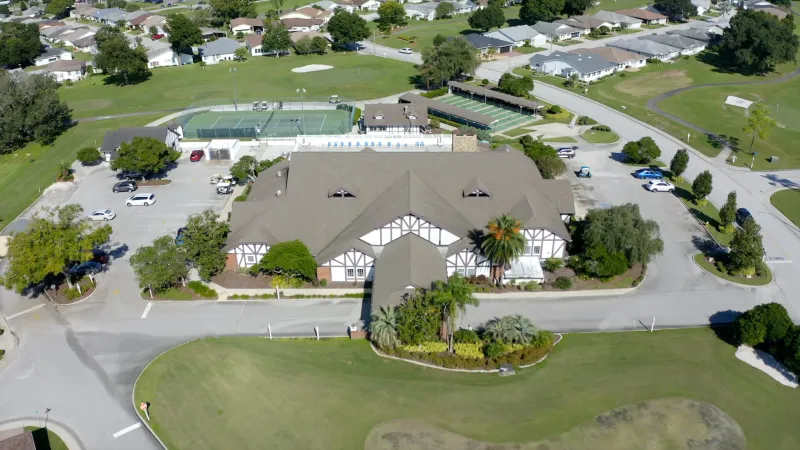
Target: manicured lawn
(653,163)
(561,139)
(529,50)
(425,31)
(353,76)
(707,214)
(788,202)
(46,439)
(700,259)
(288,5)
(600,137)
(254,393)
(516,132)
(28,171)
(568,42)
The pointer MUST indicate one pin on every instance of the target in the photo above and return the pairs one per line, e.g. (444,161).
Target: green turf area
(653,163)
(272,123)
(616,5)
(354,76)
(26,172)
(425,31)
(528,50)
(288,5)
(561,139)
(254,393)
(46,439)
(506,117)
(568,42)
(700,259)
(706,107)
(788,202)
(599,137)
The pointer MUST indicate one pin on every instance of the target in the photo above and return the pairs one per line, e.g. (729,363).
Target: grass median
(788,203)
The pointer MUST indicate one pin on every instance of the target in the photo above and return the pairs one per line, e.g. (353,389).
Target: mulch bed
(153,182)
(59,296)
(235,280)
(580,285)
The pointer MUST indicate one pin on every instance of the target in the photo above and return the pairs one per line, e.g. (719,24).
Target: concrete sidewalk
(65,434)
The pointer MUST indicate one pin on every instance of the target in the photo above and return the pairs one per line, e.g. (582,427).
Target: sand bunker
(767,363)
(311,68)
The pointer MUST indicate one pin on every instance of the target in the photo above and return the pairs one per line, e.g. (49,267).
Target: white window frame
(351,272)
(528,248)
(360,272)
(537,250)
(460,271)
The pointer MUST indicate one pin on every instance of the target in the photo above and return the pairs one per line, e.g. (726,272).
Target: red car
(157,36)
(196,155)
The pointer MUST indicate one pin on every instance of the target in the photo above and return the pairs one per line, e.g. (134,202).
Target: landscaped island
(335,394)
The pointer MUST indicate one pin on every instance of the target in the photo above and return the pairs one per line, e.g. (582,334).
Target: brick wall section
(230,262)
(324,273)
(465,143)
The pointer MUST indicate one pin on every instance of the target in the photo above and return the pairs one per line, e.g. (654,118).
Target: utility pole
(302,108)
(234,70)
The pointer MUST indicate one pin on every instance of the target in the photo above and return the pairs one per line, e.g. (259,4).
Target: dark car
(196,155)
(129,175)
(89,267)
(742,215)
(124,186)
(179,236)
(100,256)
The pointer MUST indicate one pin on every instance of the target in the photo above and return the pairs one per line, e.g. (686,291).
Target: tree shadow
(121,80)
(714,59)
(118,252)
(723,140)
(776,180)
(617,156)
(722,326)
(515,22)
(705,246)
(40,439)
(469,31)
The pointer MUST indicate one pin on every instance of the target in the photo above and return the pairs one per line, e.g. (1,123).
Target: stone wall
(466,142)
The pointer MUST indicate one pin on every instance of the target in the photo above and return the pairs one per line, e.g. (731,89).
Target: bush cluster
(601,128)
(407,38)
(463,336)
(270,296)
(562,283)
(586,120)
(435,93)
(555,109)
(202,290)
(356,115)
(769,327)
(522,357)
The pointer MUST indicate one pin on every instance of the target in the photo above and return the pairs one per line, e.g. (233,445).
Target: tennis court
(274,123)
(506,118)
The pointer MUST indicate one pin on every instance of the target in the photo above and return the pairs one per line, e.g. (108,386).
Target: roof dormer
(342,192)
(476,188)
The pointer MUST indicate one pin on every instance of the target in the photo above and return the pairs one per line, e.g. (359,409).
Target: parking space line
(147,310)
(25,312)
(127,430)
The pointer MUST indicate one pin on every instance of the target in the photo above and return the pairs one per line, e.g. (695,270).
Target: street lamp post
(302,108)
(234,70)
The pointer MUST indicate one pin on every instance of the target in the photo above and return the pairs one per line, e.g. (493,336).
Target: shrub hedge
(601,128)
(521,357)
(435,93)
(202,290)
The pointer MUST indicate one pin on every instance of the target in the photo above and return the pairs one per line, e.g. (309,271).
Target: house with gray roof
(115,138)
(395,118)
(400,220)
(587,66)
(69,39)
(556,32)
(697,35)
(519,36)
(85,44)
(618,20)
(223,49)
(485,44)
(622,58)
(585,23)
(51,55)
(687,46)
(423,11)
(647,48)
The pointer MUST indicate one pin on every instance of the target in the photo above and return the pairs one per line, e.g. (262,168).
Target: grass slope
(788,202)
(254,393)
(28,171)
(353,76)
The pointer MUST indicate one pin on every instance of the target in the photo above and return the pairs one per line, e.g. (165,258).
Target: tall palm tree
(504,242)
(277,4)
(452,298)
(383,328)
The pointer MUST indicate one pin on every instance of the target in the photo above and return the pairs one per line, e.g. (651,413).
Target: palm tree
(514,329)
(504,242)
(277,4)
(452,297)
(383,328)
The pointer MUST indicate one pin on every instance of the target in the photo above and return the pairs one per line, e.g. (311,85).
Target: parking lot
(612,183)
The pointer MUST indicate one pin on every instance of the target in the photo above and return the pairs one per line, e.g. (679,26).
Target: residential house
(618,20)
(45,24)
(33,11)
(253,44)
(69,39)
(697,35)
(585,23)
(556,32)
(486,45)
(369,5)
(709,28)
(702,6)
(519,36)
(771,9)
(464,7)
(245,25)
(81,10)
(400,220)
(309,12)
(159,23)
(223,49)
(167,57)
(108,15)
(137,21)
(51,55)
(686,45)
(647,17)
(331,6)
(296,37)
(86,45)
(623,59)
(421,11)
(395,118)
(647,48)
(114,139)
(211,33)
(302,25)
(63,70)
(587,66)
(50,33)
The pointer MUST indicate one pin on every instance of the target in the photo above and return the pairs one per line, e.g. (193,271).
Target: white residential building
(167,57)
(587,66)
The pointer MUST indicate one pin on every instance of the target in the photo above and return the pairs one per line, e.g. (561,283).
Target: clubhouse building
(401,220)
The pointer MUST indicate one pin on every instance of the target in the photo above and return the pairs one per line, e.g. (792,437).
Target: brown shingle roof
(253,40)
(23,441)
(291,22)
(641,14)
(314,13)
(246,21)
(442,107)
(395,114)
(136,21)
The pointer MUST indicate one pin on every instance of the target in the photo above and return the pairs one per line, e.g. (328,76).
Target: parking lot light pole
(302,109)
(234,70)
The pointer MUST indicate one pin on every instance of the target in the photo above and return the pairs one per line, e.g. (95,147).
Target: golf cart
(216,178)
(585,172)
(334,99)
(225,187)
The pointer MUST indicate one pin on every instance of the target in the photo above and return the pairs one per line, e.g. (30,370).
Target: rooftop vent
(279,173)
(278,194)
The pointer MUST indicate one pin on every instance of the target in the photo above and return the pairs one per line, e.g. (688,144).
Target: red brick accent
(358,334)
(230,262)
(324,273)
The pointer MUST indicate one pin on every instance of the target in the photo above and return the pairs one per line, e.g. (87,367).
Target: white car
(141,200)
(406,51)
(660,186)
(102,214)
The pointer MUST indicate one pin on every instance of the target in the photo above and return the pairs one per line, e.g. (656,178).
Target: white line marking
(127,430)
(147,310)
(25,312)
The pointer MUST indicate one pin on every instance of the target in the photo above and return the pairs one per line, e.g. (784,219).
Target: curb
(522,295)
(732,283)
(431,366)
(59,305)
(66,435)
(11,352)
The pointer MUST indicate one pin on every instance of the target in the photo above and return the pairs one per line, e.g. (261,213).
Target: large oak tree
(755,42)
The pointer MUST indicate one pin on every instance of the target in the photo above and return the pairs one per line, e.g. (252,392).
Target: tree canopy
(545,157)
(755,42)
(346,28)
(59,8)
(289,258)
(88,155)
(760,123)
(747,248)
(19,44)
(31,111)
(444,10)
(391,14)
(417,318)
(183,33)
(116,57)
(727,214)
(768,323)
(514,85)
(275,38)
(51,244)
(622,229)
(448,61)
(642,151)
(676,9)
(145,155)
(161,265)
(203,239)
(452,297)
(487,18)
(533,11)
(246,168)
(679,162)
(383,328)
(576,7)
(702,185)
(226,10)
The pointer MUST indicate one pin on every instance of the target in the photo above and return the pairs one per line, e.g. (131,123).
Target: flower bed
(234,279)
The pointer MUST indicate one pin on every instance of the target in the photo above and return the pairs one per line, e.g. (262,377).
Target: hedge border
(432,366)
